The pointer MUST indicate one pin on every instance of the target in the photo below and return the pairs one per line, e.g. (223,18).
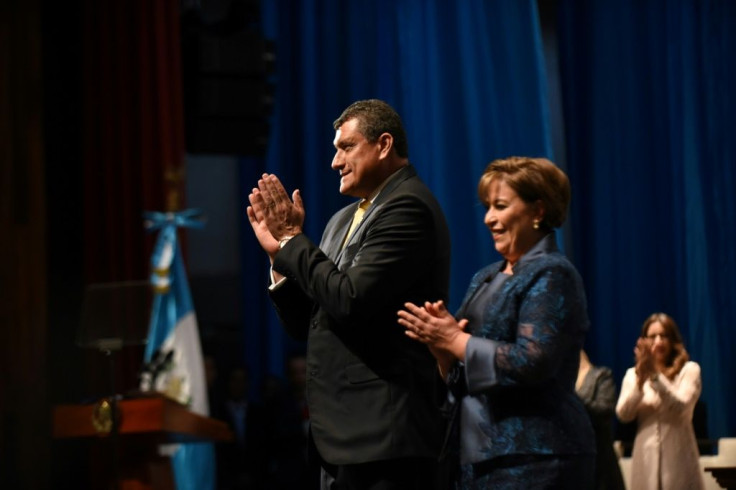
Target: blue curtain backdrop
(468,80)
(645,91)
(649,116)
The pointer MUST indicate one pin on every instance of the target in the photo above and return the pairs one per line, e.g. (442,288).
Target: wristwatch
(283,241)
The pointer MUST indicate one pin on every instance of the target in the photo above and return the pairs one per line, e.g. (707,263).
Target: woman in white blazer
(660,392)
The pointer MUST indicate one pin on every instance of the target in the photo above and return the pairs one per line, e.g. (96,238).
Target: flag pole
(173,356)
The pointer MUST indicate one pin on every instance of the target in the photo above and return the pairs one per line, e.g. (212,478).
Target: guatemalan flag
(173,362)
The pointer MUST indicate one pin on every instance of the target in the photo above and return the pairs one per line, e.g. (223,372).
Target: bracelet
(284,241)
(439,368)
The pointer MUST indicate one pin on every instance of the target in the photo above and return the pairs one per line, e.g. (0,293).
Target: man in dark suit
(240,462)
(372,392)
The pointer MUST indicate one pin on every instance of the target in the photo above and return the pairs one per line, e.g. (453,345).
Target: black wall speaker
(227,69)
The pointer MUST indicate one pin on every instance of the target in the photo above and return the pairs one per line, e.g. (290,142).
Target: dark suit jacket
(243,459)
(598,393)
(517,385)
(371,390)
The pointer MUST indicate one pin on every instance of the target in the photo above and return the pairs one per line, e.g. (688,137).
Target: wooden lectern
(143,424)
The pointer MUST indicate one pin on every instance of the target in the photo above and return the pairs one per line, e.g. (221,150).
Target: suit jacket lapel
(335,234)
(491,271)
(402,174)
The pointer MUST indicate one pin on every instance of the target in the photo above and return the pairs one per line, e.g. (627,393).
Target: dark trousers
(394,474)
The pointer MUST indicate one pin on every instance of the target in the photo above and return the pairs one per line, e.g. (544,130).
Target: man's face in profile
(357,160)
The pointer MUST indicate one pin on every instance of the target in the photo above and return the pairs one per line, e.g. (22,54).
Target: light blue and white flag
(173,356)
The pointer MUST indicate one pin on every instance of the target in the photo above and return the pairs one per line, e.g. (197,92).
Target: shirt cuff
(480,364)
(275,284)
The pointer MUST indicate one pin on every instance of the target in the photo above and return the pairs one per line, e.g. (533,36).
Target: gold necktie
(357,218)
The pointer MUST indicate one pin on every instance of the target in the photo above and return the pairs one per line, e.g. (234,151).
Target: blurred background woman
(510,355)
(597,389)
(660,392)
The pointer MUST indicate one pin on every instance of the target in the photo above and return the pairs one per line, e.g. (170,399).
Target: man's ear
(385,143)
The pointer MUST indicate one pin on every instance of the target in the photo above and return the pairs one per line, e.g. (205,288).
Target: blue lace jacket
(515,392)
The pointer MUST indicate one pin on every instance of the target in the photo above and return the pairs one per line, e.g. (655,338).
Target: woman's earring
(536,224)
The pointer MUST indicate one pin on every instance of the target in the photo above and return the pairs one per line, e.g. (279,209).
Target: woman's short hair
(533,179)
(678,355)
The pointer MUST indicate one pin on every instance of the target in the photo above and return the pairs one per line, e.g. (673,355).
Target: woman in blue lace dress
(510,355)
